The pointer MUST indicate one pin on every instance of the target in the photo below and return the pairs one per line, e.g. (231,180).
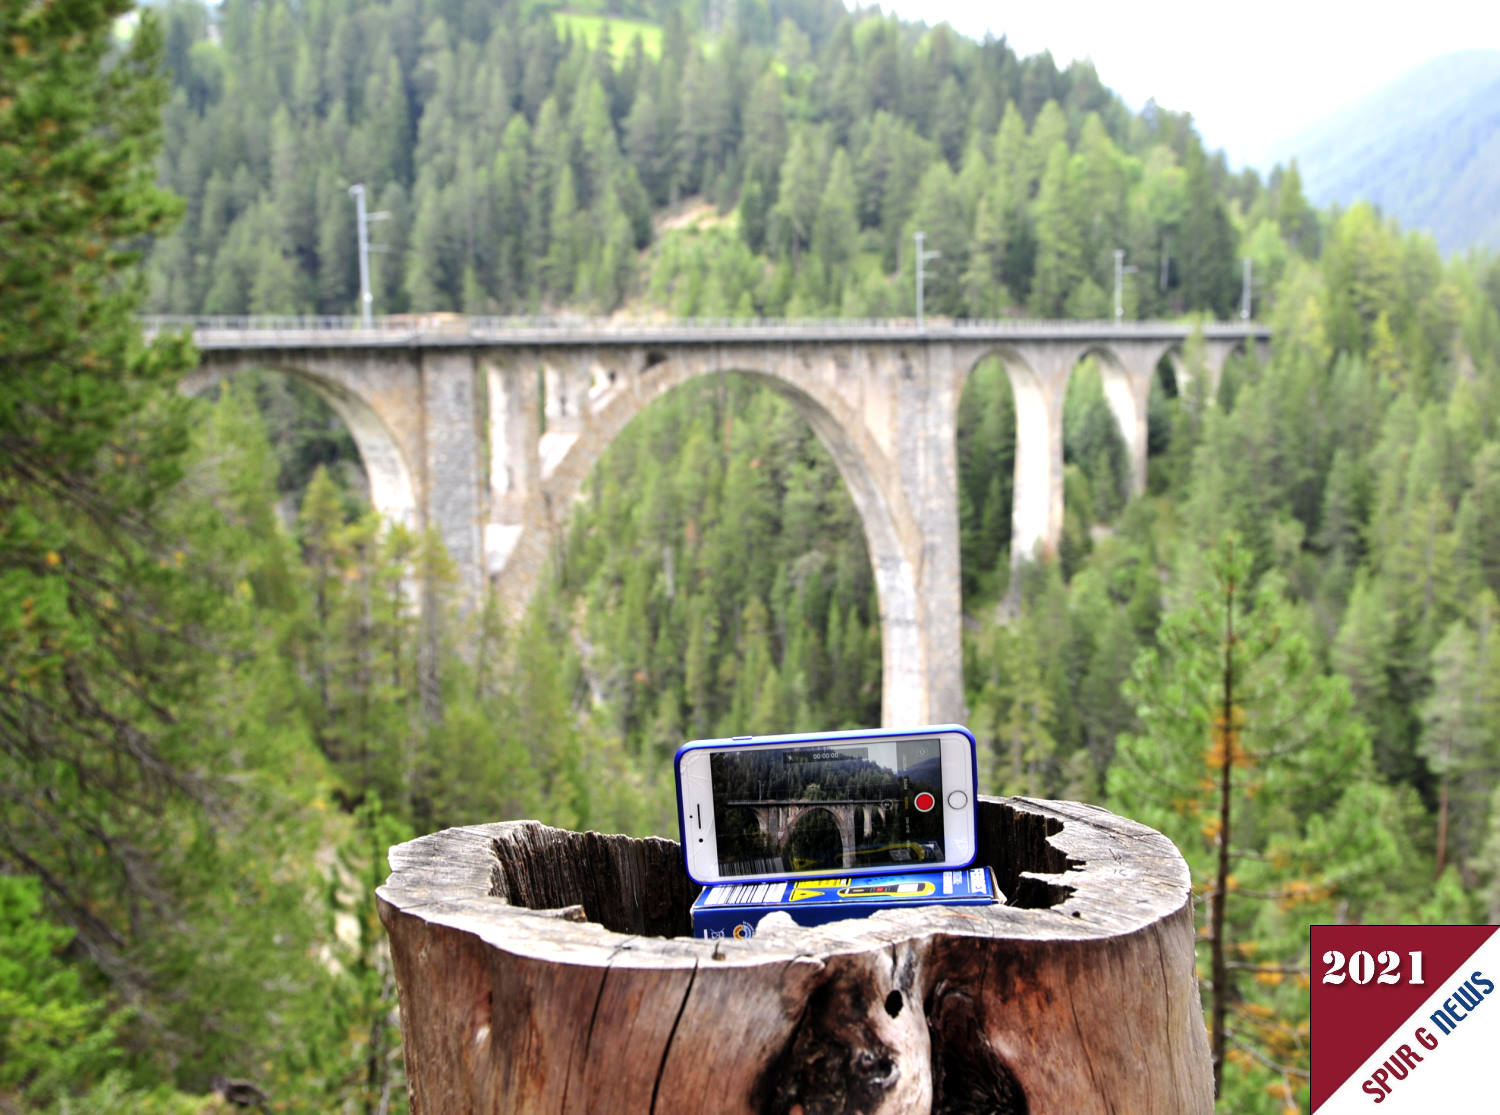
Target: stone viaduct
(486,429)
(777,819)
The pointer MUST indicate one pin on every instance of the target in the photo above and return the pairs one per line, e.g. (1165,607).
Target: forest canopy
(529,160)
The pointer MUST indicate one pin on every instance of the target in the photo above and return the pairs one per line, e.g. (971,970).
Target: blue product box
(735,909)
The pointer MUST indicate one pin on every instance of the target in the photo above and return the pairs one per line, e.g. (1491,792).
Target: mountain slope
(1425,148)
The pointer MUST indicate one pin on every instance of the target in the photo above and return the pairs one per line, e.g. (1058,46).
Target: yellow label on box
(816,888)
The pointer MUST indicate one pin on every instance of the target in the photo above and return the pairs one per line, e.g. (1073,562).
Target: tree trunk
(1442,832)
(542,970)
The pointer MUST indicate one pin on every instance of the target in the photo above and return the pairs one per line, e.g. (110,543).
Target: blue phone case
(816,737)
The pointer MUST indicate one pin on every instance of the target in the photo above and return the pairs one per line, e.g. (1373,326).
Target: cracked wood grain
(541,970)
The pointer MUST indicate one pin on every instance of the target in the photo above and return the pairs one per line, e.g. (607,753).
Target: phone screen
(828,805)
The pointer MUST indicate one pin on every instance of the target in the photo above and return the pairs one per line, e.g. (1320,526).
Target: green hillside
(589,28)
(1425,148)
(525,170)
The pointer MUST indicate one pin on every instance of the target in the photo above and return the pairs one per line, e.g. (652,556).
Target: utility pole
(362,220)
(922,258)
(1120,272)
(1245,293)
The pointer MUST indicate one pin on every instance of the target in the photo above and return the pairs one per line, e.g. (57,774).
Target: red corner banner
(1405,1018)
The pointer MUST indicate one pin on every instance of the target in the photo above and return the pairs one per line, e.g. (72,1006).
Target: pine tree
(97,616)
(801,186)
(643,145)
(986,471)
(55,1037)
(1478,522)
(142,691)
(1458,729)
(338,261)
(1207,255)
(1010,151)
(1048,129)
(434,269)
(362,1047)
(1361,267)
(1025,728)
(1243,743)
(320,526)
(1060,237)
(1100,186)
(560,267)
(508,194)
(1107,715)
(984,289)
(939,212)
(949,115)
(836,227)
(386,272)
(1298,222)
(765,133)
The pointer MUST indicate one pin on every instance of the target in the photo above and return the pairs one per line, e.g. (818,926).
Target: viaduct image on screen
(828,806)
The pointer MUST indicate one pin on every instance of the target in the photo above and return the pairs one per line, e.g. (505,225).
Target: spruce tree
(1060,236)
(801,186)
(836,227)
(1459,720)
(1243,745)
(97,610)
(141,697)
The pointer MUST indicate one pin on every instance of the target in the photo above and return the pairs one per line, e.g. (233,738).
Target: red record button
(924,802)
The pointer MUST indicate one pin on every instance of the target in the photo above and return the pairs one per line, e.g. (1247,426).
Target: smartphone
(858,803)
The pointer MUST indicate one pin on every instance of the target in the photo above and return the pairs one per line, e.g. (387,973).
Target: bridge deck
(439,331)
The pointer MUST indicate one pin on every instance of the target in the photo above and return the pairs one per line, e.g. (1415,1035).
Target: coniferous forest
(218,708)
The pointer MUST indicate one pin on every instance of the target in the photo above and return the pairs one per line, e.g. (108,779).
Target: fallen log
(542,970)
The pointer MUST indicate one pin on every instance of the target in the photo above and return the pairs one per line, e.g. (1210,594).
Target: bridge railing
(393,325)
(267,323)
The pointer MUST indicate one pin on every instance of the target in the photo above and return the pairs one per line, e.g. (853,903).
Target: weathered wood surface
(542,970)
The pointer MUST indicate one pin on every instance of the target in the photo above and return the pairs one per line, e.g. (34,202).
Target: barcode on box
(746,894)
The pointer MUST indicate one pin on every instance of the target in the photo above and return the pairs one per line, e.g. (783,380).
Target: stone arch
(392,492)
(1183,378)
(1216,353)
(1127,370)
(1034,519)
(1038,375)
(843,820)
(1127,399)
(981,399)
(860,462)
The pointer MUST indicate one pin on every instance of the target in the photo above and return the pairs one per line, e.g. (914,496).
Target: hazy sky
(1250,73)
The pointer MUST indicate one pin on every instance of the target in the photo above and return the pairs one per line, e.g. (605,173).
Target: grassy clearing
(622,32)
(695,213)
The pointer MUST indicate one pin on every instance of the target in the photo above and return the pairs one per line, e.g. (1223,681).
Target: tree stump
(542,970)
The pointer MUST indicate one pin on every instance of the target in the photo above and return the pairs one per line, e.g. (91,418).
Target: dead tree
(550,971)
